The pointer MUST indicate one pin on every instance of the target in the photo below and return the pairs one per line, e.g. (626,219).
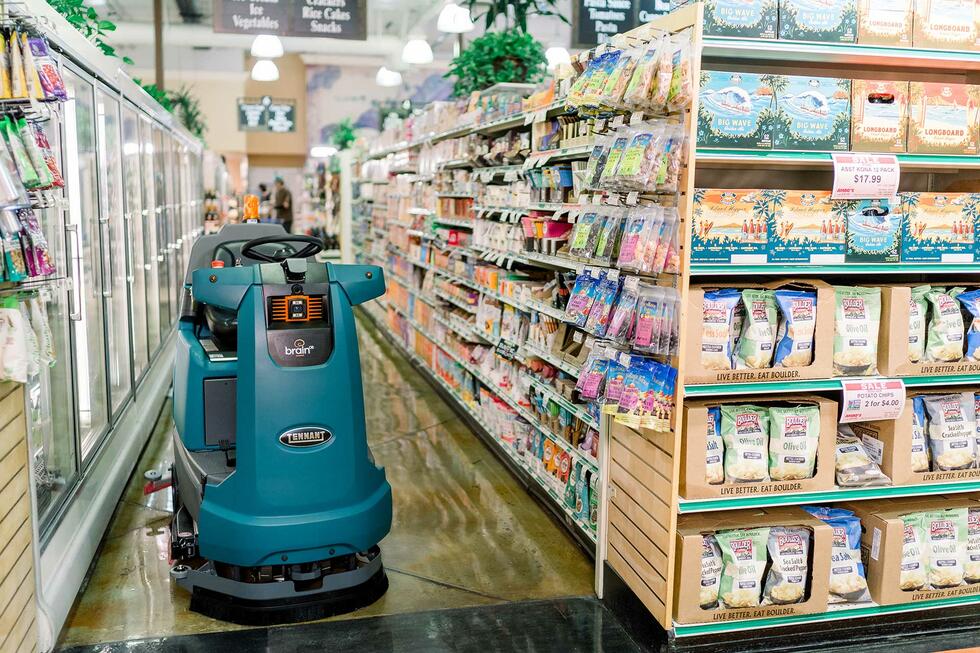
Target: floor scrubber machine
(278,504)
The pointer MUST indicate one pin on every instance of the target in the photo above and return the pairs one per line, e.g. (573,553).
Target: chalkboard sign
(597,21)
(336,19)
(266,115)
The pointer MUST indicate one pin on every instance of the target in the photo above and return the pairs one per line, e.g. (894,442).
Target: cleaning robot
(278,504)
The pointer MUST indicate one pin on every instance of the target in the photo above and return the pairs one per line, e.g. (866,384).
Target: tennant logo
(299,348)
(305,436)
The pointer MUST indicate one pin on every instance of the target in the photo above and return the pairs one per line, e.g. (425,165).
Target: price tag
(865,176)
(541,115)
(618,121)
(510,175)
(528,118)
(868,400)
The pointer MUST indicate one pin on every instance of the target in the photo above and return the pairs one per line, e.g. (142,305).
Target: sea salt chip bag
(744,554)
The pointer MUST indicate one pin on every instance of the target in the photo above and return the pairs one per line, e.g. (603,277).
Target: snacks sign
(336,19)
(866,401)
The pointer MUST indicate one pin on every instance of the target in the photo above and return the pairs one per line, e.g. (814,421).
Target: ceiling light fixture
(267,46)
(557,56)
(454,19)
(417,51)
(265,70)
(322,151)
(387,77)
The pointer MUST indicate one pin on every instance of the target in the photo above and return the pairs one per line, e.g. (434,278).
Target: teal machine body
(279,506)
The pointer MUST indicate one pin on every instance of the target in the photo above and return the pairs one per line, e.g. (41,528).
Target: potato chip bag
(797,324)
(758,339)
(711,566)
(856,320)
(945,336)
(788,575)
(793,437)
(920,445)
(718,337)
(971,568)
(971,302)
(946,533)
(918,310)
(745,431)
(714,448)
(855,468)
(848,583)
(743,553)
(915,554)
(952,430)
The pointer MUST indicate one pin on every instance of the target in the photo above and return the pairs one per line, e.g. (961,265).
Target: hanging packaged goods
(654,240)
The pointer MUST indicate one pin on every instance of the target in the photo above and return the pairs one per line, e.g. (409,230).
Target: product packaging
(856,321)
(730,226)
(807,227)
(834,21)
(946,25)
(879,115)
(939,227)
(751,19)
(874,231)
(943,118)
(812,113)
(735,111)
(885,22)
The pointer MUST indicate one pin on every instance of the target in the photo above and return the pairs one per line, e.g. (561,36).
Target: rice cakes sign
(336,19)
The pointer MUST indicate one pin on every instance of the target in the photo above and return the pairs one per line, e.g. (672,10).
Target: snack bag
(661,81)
(39,320)
(744,557)
(605,297)
(758,338)
(42,143)
(638,162)
(18,82)
(609,235)
(583,295)
(658,259)
(918,310)
(952,430)
(639,378)
(589,384)
(14,344)
(5,92)
(920,446)
(681,90)
(915,554)
(47,70)
(787,578)
(945,337)
(616,150)
(856,320)
(794,341)
(585,235)
(715,448)
(624,314)
(947,535)
(971,302)
(638,222)
(638,90)
(597,159)
(718,316)
(793,437)
(848,583)
(34,88)
(40,165)
(615,383)
(711,566)
(649,309)
(855,468)
(745,431)
(971,569)
(25,169)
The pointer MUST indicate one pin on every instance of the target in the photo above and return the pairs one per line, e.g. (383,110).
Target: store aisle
(465,533)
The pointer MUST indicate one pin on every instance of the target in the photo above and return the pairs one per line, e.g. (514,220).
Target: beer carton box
(750,19)
(939,227)
(944,118)
(807,227)
(885,22)
(827,21)
(947,24)
(879,115)
(735,111)
(729,226)
(874,231)
(812,113)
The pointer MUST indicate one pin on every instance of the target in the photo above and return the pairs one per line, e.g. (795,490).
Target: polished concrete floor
(465,533)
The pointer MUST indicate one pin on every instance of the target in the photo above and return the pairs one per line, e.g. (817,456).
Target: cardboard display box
(812,113)
(879,115)
(943,118)
(730,226)
(893,337)
(693,472)
(946,24)
(881,546)
(894,440)
(807,227)
(735,111)
(823,346)
(833,21)
(748,19)
(690,532)
(885,22)
(939,227)
(874,231)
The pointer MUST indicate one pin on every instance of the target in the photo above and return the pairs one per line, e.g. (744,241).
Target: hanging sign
(867,400)
(336,19)
(596,21)
(266,115)
(865,176)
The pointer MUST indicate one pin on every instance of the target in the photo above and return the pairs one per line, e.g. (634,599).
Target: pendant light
(265,70)
(417,51)
(557,56)
(267,46)
(454,19)
(386,77)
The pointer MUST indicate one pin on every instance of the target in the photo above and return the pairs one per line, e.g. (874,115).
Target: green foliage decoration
(496,57)
(187,108)
(521,9)
(87,21)
(343,135)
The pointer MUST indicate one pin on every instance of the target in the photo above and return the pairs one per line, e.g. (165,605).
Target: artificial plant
(516,10)
(87,21)
(495,57)
(343,134)
(158,94)
(187,108)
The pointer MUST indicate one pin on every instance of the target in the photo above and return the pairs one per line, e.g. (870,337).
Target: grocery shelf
(859,610)
(813,385)
(550,311)
(559,154)
(456,196)
(837,494)
(455,302)
(418,210)
(578,411)
(723,158)
(831,55)
(721,269)
(532,349)
(491,172)
(454,164)
(465,223)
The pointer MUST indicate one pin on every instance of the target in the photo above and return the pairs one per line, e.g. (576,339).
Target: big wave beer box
(827,21)
(947,24)
(736,111)
(874,231)
(939,227)
(729,226)
(807,227)
(812,113)
(879,115)
(745,18)
(885,22)
(944,118)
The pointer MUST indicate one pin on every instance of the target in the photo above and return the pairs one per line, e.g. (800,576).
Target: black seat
(223,325)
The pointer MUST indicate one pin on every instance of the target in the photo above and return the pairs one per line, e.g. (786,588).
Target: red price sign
(867,400)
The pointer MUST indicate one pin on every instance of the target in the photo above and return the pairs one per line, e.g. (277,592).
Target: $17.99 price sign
(864,176)
(869,400)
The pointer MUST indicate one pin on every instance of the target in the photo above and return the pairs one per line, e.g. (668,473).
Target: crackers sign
(335,19)
(867,400)
(865,176)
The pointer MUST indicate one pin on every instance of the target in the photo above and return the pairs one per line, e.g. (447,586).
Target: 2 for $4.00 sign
(871,400)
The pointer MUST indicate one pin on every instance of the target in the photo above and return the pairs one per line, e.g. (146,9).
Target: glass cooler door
(135,239)
(151,251)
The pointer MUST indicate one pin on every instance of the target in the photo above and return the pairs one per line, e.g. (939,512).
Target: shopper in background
(264,194)
(282,201)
